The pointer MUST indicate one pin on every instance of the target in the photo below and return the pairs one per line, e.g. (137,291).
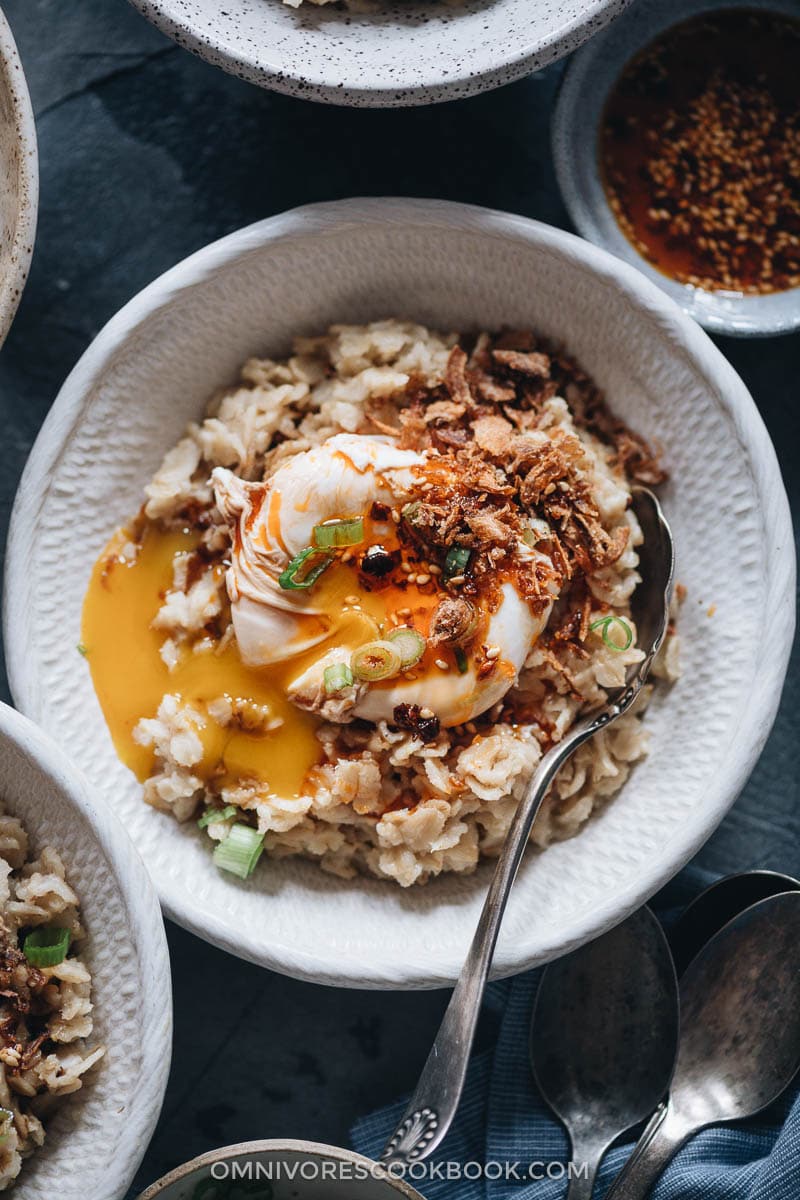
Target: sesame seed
(493,652)
(395,516)
(351,599)
(441,664)
(423,579)
(412,578)
(427,713)
(456,580)
(404,612)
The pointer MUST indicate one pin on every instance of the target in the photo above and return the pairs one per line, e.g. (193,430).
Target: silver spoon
(604,1036)
(717,905)
(434,1103)
(740,1035)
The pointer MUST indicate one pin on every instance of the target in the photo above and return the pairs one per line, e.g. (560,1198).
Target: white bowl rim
(274,1146)
(744,321)
(12,286)
(329,88)
(136,889)
(759,706)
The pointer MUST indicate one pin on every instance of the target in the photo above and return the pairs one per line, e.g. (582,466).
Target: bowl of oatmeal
(339,516)
(86,1019)
(381,53)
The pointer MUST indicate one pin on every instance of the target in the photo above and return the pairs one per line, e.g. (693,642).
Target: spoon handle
(585,1160)
(655,1149)
(434,1103)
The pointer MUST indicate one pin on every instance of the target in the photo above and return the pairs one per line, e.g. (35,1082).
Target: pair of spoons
(607,1042)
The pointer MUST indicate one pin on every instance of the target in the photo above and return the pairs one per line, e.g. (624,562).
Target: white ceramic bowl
(586,86)
(452,266)
(327,1173)
(401,52)
(19,179)
(96,1141)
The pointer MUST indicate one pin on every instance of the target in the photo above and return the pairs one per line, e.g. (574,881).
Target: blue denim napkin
(503,1120)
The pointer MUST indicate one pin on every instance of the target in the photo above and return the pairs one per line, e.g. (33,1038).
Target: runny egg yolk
(130,678)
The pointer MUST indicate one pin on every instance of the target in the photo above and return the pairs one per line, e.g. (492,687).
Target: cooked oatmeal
(45,995)
(367,592)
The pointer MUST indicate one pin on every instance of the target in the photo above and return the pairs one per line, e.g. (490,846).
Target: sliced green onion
(240,851)
(347,532)
(461,660)
(456,561)
(46,946)
(212,815)
(409,512)
(296,577)
(376,660)
(82,649)
(605,624)
(409,644)
(6,1121)
(337,677)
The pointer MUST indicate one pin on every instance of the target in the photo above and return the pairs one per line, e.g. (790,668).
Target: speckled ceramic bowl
(19,179)
(96,1139)
(587,84)
(450,266)
(384,53)
(287,1169)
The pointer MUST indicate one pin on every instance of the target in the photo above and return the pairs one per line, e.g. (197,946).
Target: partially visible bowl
(19,179)
(386,53)
(586,86)
(98,1137)
(284,1167)
(450,266)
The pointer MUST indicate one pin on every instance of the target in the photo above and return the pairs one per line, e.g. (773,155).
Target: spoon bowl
(717,905)
(604,1036)
(740,1035)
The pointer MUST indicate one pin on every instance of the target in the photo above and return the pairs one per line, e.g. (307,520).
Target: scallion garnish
(46,946)
(82,649)
(303,571)
(605,624)
(409,644)
(6,1121)
(461,660)
(212,815)
(346,532)
(455,562)
(376,660)
(240,851)
(337,677)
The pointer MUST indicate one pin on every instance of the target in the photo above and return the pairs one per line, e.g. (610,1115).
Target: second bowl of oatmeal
(308,577)
(86,1002)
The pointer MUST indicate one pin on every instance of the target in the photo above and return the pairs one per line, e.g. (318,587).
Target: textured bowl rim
(12,286)
(330,88)
(759,707)
(572,111)
(140,901)
(276,1146)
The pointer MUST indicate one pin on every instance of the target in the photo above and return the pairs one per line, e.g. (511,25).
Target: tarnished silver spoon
(434,1103)
(717,905)
(740,1035)
(604,1036)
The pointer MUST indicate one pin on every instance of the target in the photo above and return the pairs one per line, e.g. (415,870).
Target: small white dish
(450,266)
(383,53)
(586,86)
(98,1136)
(328,1173)
(19,179)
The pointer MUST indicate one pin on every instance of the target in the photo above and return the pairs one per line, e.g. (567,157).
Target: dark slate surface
(147,154)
